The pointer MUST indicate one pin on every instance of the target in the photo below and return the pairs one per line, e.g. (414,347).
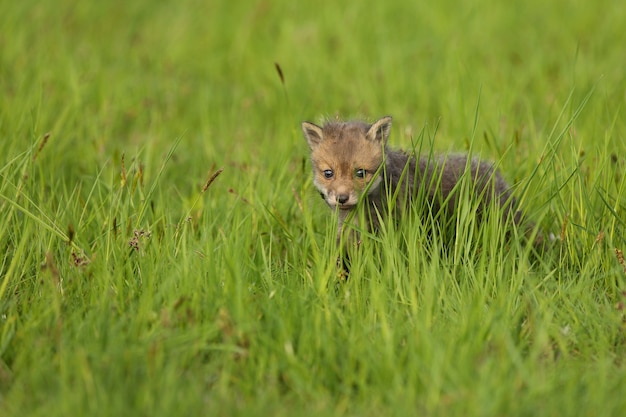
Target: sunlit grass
(163,250)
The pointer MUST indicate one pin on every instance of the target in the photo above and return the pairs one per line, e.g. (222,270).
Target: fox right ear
(379,130)
(312,133)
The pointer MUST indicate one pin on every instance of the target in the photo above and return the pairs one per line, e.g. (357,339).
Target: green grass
(125,289)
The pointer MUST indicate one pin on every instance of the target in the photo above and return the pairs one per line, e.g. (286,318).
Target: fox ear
(379,130)
(312,133)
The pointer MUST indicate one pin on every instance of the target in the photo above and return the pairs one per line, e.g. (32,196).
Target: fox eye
(328,173)
(360,173)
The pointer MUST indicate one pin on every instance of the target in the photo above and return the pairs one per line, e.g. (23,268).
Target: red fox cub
(352,158)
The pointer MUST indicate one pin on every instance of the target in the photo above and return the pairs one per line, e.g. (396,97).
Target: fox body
(352,158)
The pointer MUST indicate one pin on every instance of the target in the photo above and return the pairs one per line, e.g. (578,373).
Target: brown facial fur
(344,148)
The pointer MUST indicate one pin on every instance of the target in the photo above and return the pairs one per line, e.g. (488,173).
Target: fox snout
(343,200)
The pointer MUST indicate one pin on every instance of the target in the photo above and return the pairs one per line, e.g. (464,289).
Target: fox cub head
(346,157)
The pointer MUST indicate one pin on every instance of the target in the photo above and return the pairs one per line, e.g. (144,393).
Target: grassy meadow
(163,250)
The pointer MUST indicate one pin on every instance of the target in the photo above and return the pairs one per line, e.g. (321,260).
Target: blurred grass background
(170,299)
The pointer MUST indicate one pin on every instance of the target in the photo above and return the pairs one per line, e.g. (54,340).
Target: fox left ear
(379,131)
(312,133)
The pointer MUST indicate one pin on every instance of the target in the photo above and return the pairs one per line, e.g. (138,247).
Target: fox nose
(343,198)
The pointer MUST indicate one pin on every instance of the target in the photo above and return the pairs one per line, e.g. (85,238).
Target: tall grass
(163,250)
